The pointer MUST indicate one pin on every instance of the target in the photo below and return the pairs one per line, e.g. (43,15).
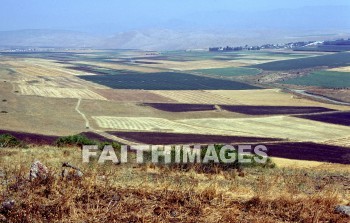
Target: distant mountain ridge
(47,38)
(153,39)
(199,30)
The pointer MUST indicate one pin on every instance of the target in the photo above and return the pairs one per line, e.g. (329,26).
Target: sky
(108,16)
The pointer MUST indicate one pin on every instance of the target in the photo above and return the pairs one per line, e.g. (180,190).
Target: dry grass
(197,97)
(275,126)
(50,116)
(39,67)
(126,95)
(147,193)
(53,92)
(343,141)
(271,97)
(341,69)
(143,124)
(337,94)
(193,65)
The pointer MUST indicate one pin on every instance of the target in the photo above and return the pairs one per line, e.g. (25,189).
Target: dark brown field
(273,110)
(310,151)
(290,150)
(181,107)
(339,118)
(176,138)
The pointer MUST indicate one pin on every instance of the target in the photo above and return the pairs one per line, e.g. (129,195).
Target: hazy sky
(111,16)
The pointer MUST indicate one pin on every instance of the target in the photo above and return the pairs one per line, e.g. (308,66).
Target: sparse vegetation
(7,140)
(82,139)
(74,140)
(148,193)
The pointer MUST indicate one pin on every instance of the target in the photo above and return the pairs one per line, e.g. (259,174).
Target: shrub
(7,140)
(80,140)
(75,140)
(212,166)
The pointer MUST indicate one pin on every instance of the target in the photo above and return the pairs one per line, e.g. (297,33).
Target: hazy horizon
(109,17)
(139,23)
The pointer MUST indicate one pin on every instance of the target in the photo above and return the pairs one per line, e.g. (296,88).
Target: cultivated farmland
(277,126)
(43,97)
(229,72)
(176,138)
(331,60)
(272,110)
(133,96)
(339,118)
(182,107)
(134,91)
(327,79)
(166,81)
(142,124)
(196,97)
(53,92)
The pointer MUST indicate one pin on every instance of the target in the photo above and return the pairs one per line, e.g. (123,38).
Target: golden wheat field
(53,92)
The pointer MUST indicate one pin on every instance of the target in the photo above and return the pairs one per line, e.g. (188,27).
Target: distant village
(336,45)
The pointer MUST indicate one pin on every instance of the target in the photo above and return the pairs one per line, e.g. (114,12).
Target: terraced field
(53,92)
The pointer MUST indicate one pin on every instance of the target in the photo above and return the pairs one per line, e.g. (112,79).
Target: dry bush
(151,193)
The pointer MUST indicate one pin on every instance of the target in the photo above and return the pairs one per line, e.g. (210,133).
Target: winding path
(100,132)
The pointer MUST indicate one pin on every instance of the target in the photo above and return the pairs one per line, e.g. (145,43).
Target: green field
(328,79)
(230,71)
(164,81)
(331,60)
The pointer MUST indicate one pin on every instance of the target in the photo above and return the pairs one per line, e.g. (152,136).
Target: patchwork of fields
(178,96)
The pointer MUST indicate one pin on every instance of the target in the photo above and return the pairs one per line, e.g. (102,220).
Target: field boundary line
(99,132)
